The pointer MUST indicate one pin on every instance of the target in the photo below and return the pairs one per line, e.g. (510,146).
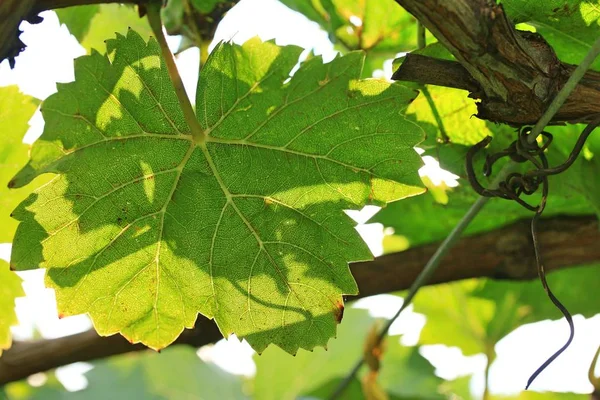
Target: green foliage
(78,19)
(404,373)
(570,26)
(143,228)
(10,289)
(475,314)
(176,373)
(92,24)
(379,27)
(15,111)
(246,228)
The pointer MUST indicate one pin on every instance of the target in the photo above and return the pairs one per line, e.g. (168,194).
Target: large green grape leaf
(10,289)
(15,111)
(475,314)
(92,24)
(570,26)
(144,228)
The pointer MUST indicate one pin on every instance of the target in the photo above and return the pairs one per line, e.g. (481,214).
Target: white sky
(49,59)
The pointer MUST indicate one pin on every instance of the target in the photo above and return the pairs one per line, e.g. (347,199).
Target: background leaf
(15,111)
(176,373)
(10,289)
(92,24)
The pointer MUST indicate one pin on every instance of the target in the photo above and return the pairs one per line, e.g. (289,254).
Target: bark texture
(517,73)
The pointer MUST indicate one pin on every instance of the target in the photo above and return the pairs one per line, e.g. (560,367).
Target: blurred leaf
(573,287)
(52,389)
(404,372)
(570,26)
(381,27)
(78,19)
(475,314)
(280,376)
(15,111)
(10,289)
(354,390)
(176,373)
(206,6)
(530,395)
(92,25)
(455,317)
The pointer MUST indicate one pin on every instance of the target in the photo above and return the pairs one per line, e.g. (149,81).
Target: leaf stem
(184,101)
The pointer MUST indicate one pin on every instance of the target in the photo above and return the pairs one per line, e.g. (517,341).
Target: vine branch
(504,254)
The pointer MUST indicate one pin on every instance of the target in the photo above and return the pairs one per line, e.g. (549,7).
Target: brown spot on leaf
(61,315)
(339,311)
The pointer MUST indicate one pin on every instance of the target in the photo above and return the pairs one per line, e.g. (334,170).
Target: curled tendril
(528,183)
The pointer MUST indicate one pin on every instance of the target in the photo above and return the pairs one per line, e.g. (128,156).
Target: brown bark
(518,73)
(506,253)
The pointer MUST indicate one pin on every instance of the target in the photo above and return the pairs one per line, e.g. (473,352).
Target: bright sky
(519,354)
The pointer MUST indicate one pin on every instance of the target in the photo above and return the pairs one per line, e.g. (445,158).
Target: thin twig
(184,101)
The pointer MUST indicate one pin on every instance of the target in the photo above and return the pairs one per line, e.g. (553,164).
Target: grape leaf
(475,314)
(10,289)
(144,228)
(15,111)
(404,372)
(78,19)
(176,373)
(91,24)
(280,377)
(381,27)
(569,26)
(173,374)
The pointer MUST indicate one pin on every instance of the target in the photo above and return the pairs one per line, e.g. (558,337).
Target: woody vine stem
(455,234)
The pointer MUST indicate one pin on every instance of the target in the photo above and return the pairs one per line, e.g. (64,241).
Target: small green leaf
(15,111)
(144,228)
(10,289)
